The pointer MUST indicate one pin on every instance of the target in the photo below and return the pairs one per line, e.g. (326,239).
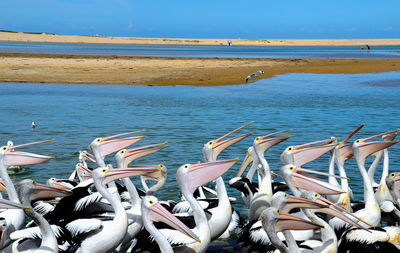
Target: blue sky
(264,19)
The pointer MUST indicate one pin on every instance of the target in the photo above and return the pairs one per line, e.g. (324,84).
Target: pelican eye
(285,195)
(358,141)
(210,143)
(98,140)
(186,166)
(104,170)
(122,152)
(258,139)
(4,148)
(33,182)
(291,168)
(3,225)
(53,179)
(392,174)
(277,211)
(161,166)
(151,202)
(316,195)
(290,148)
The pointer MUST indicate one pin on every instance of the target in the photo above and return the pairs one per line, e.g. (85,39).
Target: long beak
(308,182)
(291,222)
(340,212)
(353,133)
(345,152)
(202,173)
(83,172)
(111,144)
(48,192)
(247,160)
(135,153)
(267,142)
(379,135)
(6,204)
(305,155)
(88,156)
(313,144)
(18,158)
(368,148)
(12,147)
(157,175)
(220,145)
(295,202)
(62,184)
(114,174)
(160,214)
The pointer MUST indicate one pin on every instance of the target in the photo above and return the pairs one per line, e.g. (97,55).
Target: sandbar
(55,38)
(91,69)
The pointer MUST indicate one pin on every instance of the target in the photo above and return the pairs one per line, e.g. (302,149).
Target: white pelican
(153,211)
(41,238)
(10,157)
(371,214)
(105,236)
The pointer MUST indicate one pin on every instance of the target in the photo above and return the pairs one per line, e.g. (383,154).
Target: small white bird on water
(33,125)
(254,75)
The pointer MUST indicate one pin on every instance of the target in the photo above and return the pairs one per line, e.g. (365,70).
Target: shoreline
(93,69)
(54,38)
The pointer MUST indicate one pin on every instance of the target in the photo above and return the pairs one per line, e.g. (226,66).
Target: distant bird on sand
(33,125)
(254,75)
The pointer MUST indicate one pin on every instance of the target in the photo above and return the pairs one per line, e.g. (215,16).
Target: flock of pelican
(102,210)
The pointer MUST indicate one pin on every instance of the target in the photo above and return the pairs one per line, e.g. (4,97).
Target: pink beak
(48,192)
(269,140)
(202,173)
(112,144)
(160,214)
(220,144)
(114,174)
(291,222)
(136,153)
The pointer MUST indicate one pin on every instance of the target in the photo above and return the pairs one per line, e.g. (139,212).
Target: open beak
(114,174)
(295,202)
(202,173)
(157,175)
(160,214)
(267,141)
(88,157)
(291,222)
(305,155)
(18,158)
(340,212)
(246,162)
(135,153)
(83,172)
(305,181)
(3,187)
(345,152)
(43,191)
(112,144)
(220,144)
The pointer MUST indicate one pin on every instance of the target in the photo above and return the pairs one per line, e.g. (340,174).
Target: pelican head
(125,156)
(107,174)
(305,153)
(213,148)
(262,143)
(297,177)
(10,157)
(155,212)
(107,145)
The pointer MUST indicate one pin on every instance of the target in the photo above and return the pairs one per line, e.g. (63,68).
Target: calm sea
(315,106)
(200,51)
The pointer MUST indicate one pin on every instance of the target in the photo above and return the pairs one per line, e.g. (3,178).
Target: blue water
(315,106)
(200,51)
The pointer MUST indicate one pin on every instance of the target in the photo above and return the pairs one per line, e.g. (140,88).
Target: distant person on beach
(368,48)
(362,48)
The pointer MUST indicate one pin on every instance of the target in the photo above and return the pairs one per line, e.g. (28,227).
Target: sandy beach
(49,68)
(41,68)
(44,37)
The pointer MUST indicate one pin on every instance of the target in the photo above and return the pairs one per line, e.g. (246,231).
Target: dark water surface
(200,51)
(315,106)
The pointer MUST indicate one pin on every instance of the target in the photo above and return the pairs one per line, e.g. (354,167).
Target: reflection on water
(316,106)
(352,52)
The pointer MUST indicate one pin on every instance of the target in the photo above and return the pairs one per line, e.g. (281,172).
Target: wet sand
(78,69)
(44,37)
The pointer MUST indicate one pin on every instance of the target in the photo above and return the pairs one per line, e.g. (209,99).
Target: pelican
(371,214)
(31,240)
(153,211)
(101,147)
(10,157)
(254,75)
(105,236)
